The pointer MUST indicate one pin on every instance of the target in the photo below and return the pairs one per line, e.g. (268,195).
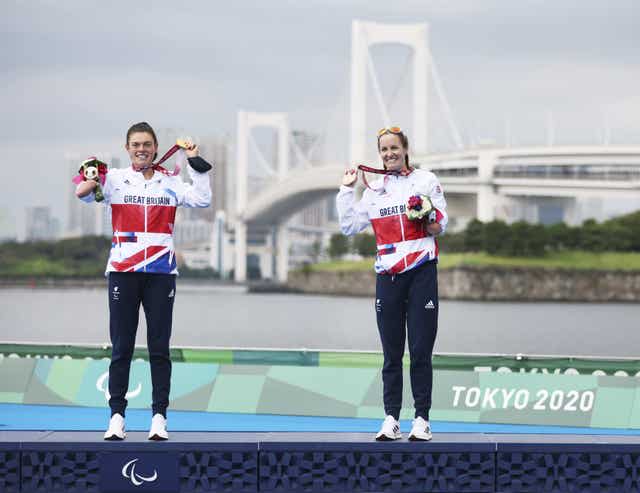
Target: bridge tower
(365,34)
(246,122)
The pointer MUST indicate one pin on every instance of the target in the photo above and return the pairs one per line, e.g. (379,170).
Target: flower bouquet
(420,206)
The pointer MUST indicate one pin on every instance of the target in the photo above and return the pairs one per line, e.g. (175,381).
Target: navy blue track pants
(156,293)
(407,307)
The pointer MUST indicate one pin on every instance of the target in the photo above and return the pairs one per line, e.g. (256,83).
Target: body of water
(229,317)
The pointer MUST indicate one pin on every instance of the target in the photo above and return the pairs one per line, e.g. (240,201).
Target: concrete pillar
(487,199)
(486,203)
(571,212)
(266,259)
(270,269)
(217,244)
(283,148)
(242,162)
(282,253)
(240,271)
(421,69)
(358,93)
(365,34)
(247,121)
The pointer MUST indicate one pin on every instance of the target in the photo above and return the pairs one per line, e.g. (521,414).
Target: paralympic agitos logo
(102,386)
(129,472)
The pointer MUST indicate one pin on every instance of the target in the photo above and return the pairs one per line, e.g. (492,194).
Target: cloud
(74,102)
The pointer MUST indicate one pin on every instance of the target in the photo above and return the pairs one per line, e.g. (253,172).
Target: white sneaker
(116,428)
(390,430)
(158,429)
(420,431)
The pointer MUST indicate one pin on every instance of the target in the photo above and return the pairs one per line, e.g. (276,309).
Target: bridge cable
(377,90)
(405,70)
(446,109)
(303,158)
(333,116)
(264,164)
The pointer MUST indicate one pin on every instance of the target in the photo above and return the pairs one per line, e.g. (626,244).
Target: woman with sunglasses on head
(406,281)
(142,266)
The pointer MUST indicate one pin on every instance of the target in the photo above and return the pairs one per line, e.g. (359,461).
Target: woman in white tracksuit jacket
(406,281)
(142,265)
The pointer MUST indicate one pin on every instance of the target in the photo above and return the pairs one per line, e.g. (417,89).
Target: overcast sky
(76,73)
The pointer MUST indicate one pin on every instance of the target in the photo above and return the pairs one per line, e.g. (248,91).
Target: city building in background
(215,150)
(40,224)
(7,226)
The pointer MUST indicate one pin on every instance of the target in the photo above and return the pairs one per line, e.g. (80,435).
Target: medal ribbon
(368,169)
(180,144)
(157,166)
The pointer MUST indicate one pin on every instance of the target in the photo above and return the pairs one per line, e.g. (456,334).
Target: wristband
(199,164)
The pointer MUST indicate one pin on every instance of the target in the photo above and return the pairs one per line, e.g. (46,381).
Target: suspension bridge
(486,183)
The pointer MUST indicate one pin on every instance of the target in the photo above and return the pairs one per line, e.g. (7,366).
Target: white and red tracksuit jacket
(402,244)
(143,215)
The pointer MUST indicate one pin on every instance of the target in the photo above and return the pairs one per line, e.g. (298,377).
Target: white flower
(418,206)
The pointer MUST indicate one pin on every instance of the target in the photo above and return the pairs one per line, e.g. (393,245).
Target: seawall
(490,283)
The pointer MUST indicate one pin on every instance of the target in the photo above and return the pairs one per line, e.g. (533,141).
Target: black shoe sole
(385,438)
(156,438)
(416,439)
(114,438)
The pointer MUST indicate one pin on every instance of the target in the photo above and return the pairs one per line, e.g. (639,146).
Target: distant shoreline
(53,282)
(95,282)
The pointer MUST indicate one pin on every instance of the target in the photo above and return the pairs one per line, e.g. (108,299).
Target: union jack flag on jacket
(402,244)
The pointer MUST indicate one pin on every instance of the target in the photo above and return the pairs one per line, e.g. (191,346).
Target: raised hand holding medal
(350,177)
(192,151)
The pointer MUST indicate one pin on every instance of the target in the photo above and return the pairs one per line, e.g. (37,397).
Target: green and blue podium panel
(517,390)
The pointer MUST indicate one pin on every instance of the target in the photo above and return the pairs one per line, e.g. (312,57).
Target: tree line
(519,239)
(86,256)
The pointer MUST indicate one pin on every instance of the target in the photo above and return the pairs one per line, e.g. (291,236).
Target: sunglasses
(389,130)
